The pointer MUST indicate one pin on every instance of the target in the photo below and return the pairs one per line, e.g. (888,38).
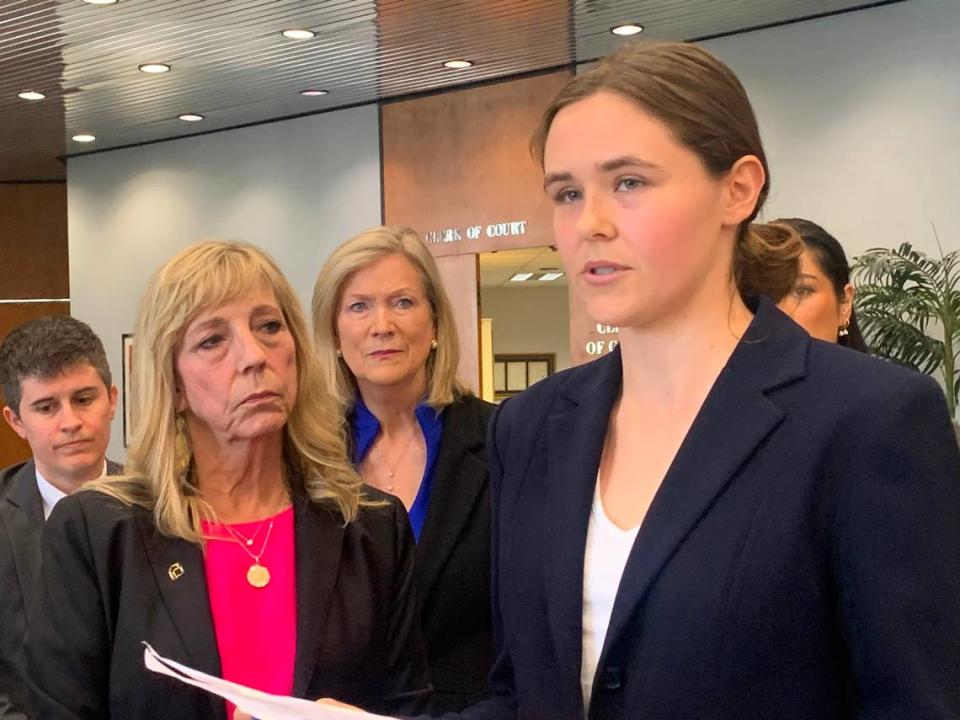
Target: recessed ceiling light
(154,68)
(190,117)
(627,30)
(31,95)
(84,138)
(100,2)
(521,277)
(314,93)
(458,64)
(549,276)
(295,34)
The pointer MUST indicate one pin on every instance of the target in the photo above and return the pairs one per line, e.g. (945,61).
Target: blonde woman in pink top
(241,542)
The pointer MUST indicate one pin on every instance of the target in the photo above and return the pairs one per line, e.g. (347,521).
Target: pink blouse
(256,628)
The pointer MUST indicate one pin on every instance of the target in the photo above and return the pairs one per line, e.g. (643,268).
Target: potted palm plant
(909,307)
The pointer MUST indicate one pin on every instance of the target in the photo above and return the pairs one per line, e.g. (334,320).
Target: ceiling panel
(496,268)
(688,19)
(231,64)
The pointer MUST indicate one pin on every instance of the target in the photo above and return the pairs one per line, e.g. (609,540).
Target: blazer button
(612,679)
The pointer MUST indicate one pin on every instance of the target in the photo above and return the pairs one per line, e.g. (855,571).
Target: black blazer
(106,588)
(21,524)
(801,559)
(453,562)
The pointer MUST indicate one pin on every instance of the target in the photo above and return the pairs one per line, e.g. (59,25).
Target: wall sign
(607,342)
(476,232)
(589,339)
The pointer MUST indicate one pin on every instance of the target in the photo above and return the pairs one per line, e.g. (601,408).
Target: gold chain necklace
(257,574)
(248,541)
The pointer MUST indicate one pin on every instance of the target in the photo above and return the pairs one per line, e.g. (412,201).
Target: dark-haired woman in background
(821,301)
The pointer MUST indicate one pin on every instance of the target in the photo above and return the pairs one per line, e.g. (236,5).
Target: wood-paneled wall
(460,273)
(460,159)
(33,266)
(33,241)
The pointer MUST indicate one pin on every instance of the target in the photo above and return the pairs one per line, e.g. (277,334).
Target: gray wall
(859,115)
(529,320)
(296,188)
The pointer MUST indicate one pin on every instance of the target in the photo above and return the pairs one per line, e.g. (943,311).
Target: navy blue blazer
(800,560)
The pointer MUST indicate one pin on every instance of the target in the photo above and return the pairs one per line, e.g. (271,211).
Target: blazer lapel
(319,536)
(180,575)
(22,510)
(734,420)
(459,479)
(23,514)
(575,439)
(318,541)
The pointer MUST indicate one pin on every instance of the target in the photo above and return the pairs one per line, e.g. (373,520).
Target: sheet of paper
(261,705)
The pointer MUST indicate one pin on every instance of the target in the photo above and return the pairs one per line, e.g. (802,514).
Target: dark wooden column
(34,268)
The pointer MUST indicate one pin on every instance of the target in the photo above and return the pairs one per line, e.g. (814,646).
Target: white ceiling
(497,268)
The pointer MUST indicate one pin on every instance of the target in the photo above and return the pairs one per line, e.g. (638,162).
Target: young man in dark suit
(60,398)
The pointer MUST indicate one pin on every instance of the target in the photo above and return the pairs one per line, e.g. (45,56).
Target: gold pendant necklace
(258,575)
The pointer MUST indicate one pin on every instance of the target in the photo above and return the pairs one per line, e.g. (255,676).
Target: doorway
(525,320)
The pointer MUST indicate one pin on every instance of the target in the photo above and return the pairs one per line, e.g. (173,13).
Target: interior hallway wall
(529,320)
(296,188)
(859,117)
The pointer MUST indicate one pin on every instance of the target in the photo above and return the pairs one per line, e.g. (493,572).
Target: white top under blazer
(608,548)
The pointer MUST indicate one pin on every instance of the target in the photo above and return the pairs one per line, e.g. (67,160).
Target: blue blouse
(366,428)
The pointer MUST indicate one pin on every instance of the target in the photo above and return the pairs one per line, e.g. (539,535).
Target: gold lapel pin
(175,571)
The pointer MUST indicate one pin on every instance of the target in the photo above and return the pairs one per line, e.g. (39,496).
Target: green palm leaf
(908,305)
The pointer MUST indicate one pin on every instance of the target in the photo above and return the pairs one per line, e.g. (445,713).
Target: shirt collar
(50,495)
(366,427)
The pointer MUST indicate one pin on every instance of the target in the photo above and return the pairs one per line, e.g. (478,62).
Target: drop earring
(182,450)
(433,344)
(843,332)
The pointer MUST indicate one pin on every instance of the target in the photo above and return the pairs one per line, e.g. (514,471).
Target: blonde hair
(443,386)
(706,107)
(159,462)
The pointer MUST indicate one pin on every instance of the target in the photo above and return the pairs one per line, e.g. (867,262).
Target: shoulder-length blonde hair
(158,471)
(443,386)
